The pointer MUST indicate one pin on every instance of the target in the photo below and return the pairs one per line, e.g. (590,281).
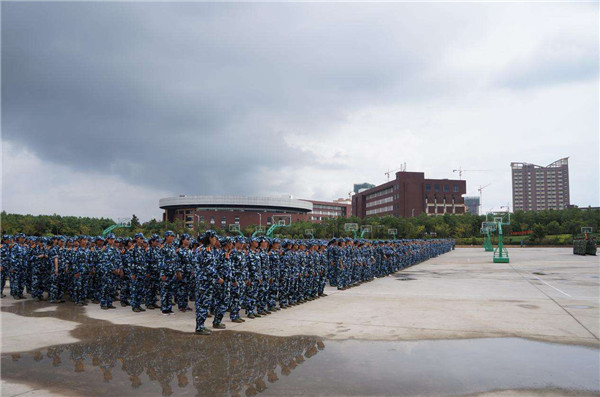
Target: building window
(237,220)
(446,188)
(201,218)
(189,219)
(428,187)
(212,220)
(455,189)
(269,220)
(436,188)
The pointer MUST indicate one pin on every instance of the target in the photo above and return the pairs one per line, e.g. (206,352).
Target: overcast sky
(107,107)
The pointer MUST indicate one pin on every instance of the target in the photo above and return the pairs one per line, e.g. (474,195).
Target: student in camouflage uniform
(206,274)
(169,272)
(138,271)
(154,259)
(239,278)
(5,259)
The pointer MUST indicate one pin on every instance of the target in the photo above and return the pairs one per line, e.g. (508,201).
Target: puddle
(405,278)
(130,360)
(525,306)
(443,367)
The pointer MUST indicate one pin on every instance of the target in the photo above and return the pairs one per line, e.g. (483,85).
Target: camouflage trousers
(236,300)
(167,287)
(203,303)
(80,288)
(221,299)
(57,286)
(272,295)
(137,291)
(181,293)
(107,289)
(250,297)
(152,289)
(16,278)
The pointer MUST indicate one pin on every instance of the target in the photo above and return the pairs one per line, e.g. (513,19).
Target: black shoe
(123,304)
(208,315)
(2,296)
(166,312)
(38,299)
(203,331)
(257,315)
(111,306)
(170,311)
(251,315)
(95,301)
(136,309)
(84,304)
(237,320)
(150,307)
(103,307)
(142,309)
(61,301)
(219,326)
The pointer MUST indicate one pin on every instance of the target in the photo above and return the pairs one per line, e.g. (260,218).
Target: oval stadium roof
(236,201)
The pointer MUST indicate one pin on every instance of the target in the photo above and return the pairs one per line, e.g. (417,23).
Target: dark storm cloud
(195,96)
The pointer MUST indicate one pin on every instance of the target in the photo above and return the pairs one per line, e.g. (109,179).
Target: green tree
(553,228)
(135,222)
(539,231)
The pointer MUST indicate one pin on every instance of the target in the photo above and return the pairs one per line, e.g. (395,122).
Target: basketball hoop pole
(121,223)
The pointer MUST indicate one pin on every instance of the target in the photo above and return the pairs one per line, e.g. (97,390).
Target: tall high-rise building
(538,188)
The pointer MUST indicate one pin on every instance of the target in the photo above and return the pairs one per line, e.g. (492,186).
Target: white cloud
(31,186)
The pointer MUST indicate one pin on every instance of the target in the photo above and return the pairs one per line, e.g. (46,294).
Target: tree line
(467,226)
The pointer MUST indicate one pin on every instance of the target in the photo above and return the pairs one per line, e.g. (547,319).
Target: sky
(108,107)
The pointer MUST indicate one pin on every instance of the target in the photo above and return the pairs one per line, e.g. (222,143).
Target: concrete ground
(545,294)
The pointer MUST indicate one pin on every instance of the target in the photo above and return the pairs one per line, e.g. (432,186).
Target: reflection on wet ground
(130,360)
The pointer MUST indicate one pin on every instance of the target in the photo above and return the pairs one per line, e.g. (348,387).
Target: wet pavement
(126,360)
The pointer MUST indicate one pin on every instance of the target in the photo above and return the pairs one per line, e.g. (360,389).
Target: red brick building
(410,194)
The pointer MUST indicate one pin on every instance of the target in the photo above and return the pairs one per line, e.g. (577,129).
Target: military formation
(220,275)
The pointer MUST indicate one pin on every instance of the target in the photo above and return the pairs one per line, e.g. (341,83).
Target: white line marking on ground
(562,292)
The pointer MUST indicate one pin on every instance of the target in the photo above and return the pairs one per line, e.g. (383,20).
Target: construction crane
(480,195)
(401,169)
(460,171)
